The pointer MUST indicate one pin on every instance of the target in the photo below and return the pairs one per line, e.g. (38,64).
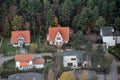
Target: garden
(37,46)
(115,51)
(7,49)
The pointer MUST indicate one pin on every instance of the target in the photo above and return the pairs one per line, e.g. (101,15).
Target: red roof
(23,57)
(16,34)
(54,30)
(38,61)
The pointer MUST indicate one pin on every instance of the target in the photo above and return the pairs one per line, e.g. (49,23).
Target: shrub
(33,46)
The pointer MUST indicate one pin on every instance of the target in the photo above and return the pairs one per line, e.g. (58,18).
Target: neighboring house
(26,76)
(73,58)
(109,36)
(26,61)
(117,37)
(20,38)
(38,62)
(58,35)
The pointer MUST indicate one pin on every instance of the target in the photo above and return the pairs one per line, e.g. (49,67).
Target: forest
(38,15)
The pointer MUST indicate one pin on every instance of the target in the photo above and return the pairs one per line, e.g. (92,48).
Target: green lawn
(7,49)
(9,66)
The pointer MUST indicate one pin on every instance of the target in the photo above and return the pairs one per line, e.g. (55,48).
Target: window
(79,64)
(21,39)
(70,64)
(73,58)
(58,38)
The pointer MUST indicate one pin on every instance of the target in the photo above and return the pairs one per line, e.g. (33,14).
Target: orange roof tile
(15,35)
(54,30)
(38,61)
(23,57)
(23,64)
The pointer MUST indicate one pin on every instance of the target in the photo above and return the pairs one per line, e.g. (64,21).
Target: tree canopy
(84,15)
(67,76)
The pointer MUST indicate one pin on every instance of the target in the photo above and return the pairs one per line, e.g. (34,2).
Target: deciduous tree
(17,22)
(55,21)
(67,76)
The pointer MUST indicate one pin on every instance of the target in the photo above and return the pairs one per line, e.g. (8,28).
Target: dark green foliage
(79,40)
(66,12)
(98,55)
(50,18)
(78,14)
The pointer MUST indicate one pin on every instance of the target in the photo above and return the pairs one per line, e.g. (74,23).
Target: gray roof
(107,31)
(116,33)
(78,53)
(26,76)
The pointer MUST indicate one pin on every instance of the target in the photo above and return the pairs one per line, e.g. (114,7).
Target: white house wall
(118,40)
(109,40)
(27,44)
(58,41)
(17,64)
(15,45)
(67,59)
(30,63)
(39,66)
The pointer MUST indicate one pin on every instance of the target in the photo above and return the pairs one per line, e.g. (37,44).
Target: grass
(9,65)
(7,49)
(116,52)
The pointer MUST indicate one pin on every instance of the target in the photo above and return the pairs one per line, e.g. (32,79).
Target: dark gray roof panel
(78,53)
(107,31)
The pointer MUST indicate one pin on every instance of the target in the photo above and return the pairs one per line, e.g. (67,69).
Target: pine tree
(50,18)
(6,27)
(67,12)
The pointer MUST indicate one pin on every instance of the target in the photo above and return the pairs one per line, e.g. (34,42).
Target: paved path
(1,41)
(113,71)
(3,59)
(112,74)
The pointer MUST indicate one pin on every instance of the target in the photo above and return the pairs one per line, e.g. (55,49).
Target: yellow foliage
(55,21)
(33,46)
(84,75)
(67,76)
(17,22)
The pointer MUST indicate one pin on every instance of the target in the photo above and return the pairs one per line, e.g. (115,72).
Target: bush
(33,46)
(50,49)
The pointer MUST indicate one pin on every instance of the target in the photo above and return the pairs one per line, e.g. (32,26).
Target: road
(113,71)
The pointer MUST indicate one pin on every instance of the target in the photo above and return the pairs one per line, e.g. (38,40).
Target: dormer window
(58,38)
(21,39)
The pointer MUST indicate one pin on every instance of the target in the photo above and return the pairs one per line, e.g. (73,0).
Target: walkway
(3,59)
(113,71)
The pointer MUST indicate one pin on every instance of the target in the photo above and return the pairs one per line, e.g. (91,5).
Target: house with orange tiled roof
(38,62)
(20,38)
(27,61)
(58,35)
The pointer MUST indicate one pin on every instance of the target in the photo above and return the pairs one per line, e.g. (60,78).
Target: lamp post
(98,68)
